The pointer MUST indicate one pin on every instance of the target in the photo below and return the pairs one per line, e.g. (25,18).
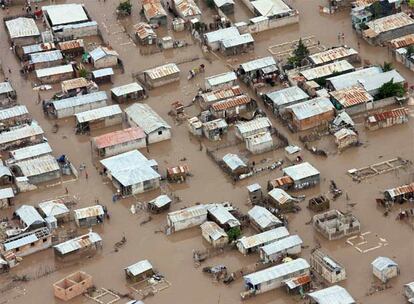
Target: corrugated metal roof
(31,151)
(37,166)
(254,125)
(292,149)
(310,108)
(218,123)
(87,212)
(13,112)
(223,215)
(118,137)
(127,89)
(363,3)
(130,168)
(68,27)
(332,295)
(61,69)
(352,96)
(350,79)
(153,9)
(213,230)
(101,52)
(5,87)
(259,138)
(222,34)
(327,70)
(237,40)
(146,118)
(270,8)
(286,96)
(5,171)
(25,131)
(253,187)
(221,94)
(333,54)
(382,263)
(221,79)
(187,213)
(399,112)
(29,215)
(6,193)
(22,27)
(187,8)
(65,13)
(160,201)
(30,238)
(403,41)
(79,100)
(71,44)
(103,72)
(35,48)
(374,82)
(75,83)
(264,237)
(139,267)
(263,217)
(77,243)
(144,30)
(48,56)
(233,161)
(300,171)
(280,195)
(389,23)
(53,208)
(283,244)
(99,113)
(276,272)
(163,71)
(230,103)
(343,133)
(401,190)
(258,64)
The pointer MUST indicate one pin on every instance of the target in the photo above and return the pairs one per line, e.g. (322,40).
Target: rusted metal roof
(144,30)
(118,137)
(78,243)
(388,23)
(401,190)
(400,112)
(231,103)
(178,170)
(187,213)
(281,181)
(298,281)
(363,3)
(162,71)
(187,8)
(71,44)
(221,94)
(332,55)
(352,96)
(402,41)
(75,83)
(87,212)
(153,8)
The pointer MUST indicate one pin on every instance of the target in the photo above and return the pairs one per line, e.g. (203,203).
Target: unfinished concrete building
(334,224)
(327,267)
(73,285)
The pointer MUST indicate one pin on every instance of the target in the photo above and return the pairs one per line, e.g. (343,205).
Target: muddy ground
(172,255)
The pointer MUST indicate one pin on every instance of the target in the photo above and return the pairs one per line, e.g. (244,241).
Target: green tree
(390,89)
(234,233)
(300,53)
(376,9)
(83,72)
(125,7)
(210,3)
(387,66)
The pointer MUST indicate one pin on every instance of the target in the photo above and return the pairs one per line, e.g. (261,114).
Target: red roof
(400,112)
(231,103)
(118,137)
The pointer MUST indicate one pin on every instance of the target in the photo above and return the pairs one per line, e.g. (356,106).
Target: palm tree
(387,66)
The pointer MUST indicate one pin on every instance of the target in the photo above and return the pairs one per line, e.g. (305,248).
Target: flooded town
(209,151)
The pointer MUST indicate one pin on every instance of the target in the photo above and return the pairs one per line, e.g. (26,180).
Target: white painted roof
(65,13)
(270,8)
(263,217)
(258,64)
(309,108)
(264,237)
(22,27)
(254,125)
(280,195)
(127,89)
(233,161)
(350,79)
(29,215)
(300,171)
(139,267)
(222,34)
(6,193)
(5,87)
(146,118)
(213,230)
(31,151)
(98,113)
(223,215)
(103,72)
(37,166)
(13,112)
(48,56)
(77,101)
(286,96)
(374,82)
(237,40)
(78,243)
(283,244)
(53,208)
(61,69)
(221,78)
(332,295)
(382,263)
(19,133)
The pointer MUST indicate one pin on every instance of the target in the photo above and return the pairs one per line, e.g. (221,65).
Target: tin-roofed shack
(255,126)
(102,75)
(28,243)
(262,219)
(303,175)
(320,73)
(400,194)
(55,208)
(14,116)
(334,54)
(259,71)
(78,86)
(6,196)
(288,246)
(70,106)
(272,9)
(98,118)
(186,218)
(187,9)
(6,92)
(154,12)
(23,31)
(220,214)
(351,79)
(131,172)
(281,200)
(214,129)
(159,204)
(280,99)
(311,113)
(327,267)
(353,100)
(22,136)
(221,81)
(72,47)
(29,218)
(334,224)
(119,141)
(45,59)
(243,43)
(385,269)
(103,57)
(88,243)
(127,92)
(252,243)
(373,84)
(38,170)
(345,138)
(89,216)
(162,75)
(214,234)
(259,143)
(333,294)
(235,165)
(387,119)
(144,117)
(145,34)
(72,286)
(208,98)
(23,52)
(55,74)
(214,38)
(232,108)
(139,271)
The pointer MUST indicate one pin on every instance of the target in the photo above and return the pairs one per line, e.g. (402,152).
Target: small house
(334,224)
(221,215)
(102,75)
(162,75)
(206,99)
(23,52)
(20,137)
(6,196)
(55,208)
(214,234)
(375,82)
(263,220)
(272,9)
(327,267)
(154,12)
(351,79)
(103,57)
(195,126)
(387,119)
(73,105)
(215,129)
(221,81)
(342,120)
(139,271)
(23,31)
(128,92)
(321,73)
(13,116)
(226,6)
(78,86)
(333,294)
(352,100)
(213,39)
(159,204)
(237,45)
(235,165)
(311,113)
(38,170)
(89,216)
(283,182)
(72,47)
(385,269)
(400,194)
(187,9)
(55,74)
(72,286)
(333,54)
(255,193)
(288,246)
(132,173)
(281,200)
(45,59)
(249,244)
(87,243)
(178,174)
(119,141)
(6,92)
(273,277)
(258,70)
(253,127)
(98,118)
(145,34)
(279,100)
(29,218)
(186,218)
(259,143)
(232,108)
(6,176)
(293,153)
(28,243)
(409,292)
(345,138)
(144,117)
(303,175)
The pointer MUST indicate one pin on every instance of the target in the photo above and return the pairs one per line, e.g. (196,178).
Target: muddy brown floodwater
(172,255)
